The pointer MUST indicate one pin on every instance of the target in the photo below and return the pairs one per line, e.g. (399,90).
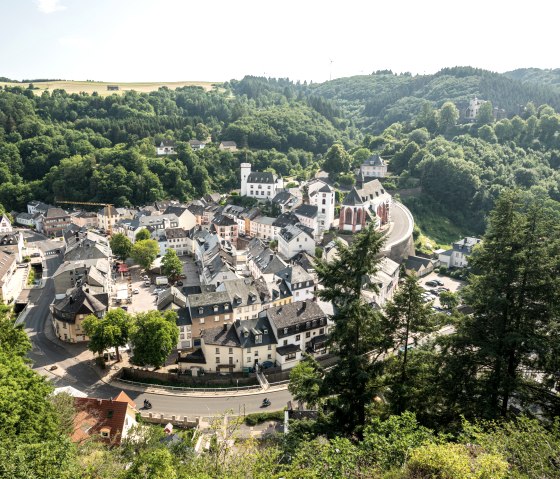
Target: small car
(179,283)
(135,291)
(267,364)
(432,283)
(147,283)
(438,282)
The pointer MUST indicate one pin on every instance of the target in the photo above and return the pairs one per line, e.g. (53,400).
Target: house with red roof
(109,420)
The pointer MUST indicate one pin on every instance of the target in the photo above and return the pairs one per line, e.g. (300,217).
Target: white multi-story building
(374,167)
(322,196)
(263,186)
(294,239)
(300,327)
(458,255)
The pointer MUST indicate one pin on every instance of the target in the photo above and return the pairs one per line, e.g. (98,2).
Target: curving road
(47,351)
(403,224)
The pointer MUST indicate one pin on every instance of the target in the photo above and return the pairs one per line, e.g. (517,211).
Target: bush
(260,417)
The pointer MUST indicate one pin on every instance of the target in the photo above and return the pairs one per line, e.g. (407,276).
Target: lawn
(101,87)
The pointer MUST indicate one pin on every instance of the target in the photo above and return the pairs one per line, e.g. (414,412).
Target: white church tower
(322,196)
(245,172)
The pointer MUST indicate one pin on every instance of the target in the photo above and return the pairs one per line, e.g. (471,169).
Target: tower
(245,172)
(352,213)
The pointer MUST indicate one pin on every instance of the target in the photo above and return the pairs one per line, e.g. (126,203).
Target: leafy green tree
(157,464)
(306,379)
(514,293)
(337,160)
(153,337)
(409,316)
(144,252)
(112,330)
(447,117)
(485,114)
(121,246)
(171,265)
(13,339)
(142,235)
(360,335)
(449,299)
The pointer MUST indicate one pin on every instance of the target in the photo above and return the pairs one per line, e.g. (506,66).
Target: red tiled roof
(93,415)
(123,397)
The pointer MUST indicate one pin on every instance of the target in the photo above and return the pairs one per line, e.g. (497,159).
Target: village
(246,298)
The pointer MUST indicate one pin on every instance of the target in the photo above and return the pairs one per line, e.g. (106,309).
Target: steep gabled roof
(258,177)
(352,198)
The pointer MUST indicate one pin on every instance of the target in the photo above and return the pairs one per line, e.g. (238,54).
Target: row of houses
(169,147)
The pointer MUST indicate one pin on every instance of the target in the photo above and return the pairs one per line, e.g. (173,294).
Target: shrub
(260,417)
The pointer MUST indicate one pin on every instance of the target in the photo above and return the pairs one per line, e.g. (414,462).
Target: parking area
(450,284)
(142,297)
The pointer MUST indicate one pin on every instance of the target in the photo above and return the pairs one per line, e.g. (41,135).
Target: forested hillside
(88,147)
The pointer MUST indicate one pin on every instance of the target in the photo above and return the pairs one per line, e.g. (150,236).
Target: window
(249,350)
(290,356)
(308,334)
(231,360)
(201,320)
(226,307)
(216,318)
(215,308)
(256,352)
(324,203)
(230,350)
(298,337)
(285,330)
(285,342)
(322,331)
(217,359)
(226,317)
(248,360)
(270,347)
(322,210)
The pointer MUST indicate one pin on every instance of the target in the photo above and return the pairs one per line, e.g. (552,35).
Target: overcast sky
(173,40)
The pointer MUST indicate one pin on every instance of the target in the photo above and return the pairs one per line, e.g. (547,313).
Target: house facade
(166,147)
(263,186)
(55,221)
(294,239)
(69,312)
(300,327)
(374,167)
(458,255)
(322,196)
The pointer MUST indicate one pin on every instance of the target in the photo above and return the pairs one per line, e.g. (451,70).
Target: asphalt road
(402,225)
(81,375)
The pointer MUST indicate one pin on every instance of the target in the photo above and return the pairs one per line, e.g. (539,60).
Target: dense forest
(102,148)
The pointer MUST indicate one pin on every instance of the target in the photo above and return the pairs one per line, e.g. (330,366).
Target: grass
(31,277)
(437,230)
(101,87)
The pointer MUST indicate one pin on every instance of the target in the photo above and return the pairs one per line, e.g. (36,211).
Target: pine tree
(515,292)
(361,334)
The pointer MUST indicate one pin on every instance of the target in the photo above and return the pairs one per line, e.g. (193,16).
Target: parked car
(441,289)
(267,364)
(147,283)
(135,291)
(431,283)
(438,282)
(179,283)
(35,255)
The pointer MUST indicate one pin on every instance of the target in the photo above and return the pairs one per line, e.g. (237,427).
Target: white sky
(172,40)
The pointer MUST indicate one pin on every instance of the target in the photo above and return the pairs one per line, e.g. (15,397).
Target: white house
(458,255)
(308,216)
(386,279)
(474,106)
(197,144)
(322,196)
(263,186)
(27,219)
(5,224)
(374,167)
(299,281)
(176,240)
(10,284)
(184,216)
(34,207)
(299,327)
(294,239)
(166,147)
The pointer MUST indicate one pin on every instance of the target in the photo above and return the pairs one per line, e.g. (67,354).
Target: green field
(101,87)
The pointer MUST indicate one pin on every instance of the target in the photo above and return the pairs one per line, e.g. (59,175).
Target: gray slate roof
(258,177)
(352,198)
(294,313)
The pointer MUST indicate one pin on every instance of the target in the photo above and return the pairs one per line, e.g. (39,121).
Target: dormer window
(200,310)
(307,324)
(226,307)
(258,338)
(215,308)
(285,330)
